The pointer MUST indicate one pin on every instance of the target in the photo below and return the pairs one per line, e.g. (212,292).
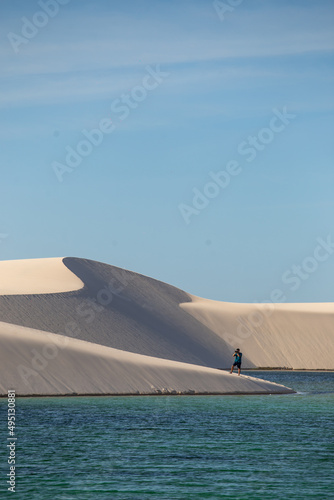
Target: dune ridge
(36,276)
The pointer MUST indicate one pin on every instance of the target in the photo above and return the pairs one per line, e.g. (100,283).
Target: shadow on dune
(124,310)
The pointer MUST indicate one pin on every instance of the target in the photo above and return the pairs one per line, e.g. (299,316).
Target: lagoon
(177,447)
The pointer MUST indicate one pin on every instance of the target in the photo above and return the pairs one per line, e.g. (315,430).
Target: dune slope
(298,336)
(40,363)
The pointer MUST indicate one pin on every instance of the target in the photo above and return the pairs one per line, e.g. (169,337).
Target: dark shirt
(238,357)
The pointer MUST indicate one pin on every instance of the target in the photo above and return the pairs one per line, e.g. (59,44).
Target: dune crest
(35,276)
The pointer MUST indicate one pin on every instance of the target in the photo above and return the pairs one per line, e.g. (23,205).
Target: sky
(189,141)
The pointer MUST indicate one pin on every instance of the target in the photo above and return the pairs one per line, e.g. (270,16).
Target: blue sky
(222,79)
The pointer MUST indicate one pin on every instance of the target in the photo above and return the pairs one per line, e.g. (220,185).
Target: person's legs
(239,369)
(232,368)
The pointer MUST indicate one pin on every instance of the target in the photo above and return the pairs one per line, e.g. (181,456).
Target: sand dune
(105,313)
(40,363)
(298,336)
(123,310)
(36,276)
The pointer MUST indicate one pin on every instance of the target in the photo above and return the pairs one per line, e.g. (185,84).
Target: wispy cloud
(119,41)
(63,88)
(100,57)
(84,56)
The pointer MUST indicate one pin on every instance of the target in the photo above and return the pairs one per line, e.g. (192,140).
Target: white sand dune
(298,336)
(36,276)
(40,363)
(119,309)
(126,333)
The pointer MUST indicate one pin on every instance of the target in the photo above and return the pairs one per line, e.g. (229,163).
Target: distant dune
(126,333)
(298,336)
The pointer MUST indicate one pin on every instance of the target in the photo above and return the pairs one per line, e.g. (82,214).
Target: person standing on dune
(237,360)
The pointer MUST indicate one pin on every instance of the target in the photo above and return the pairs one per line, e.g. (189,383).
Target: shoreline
(285,393)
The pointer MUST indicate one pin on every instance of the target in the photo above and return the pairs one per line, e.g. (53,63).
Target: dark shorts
(237,364)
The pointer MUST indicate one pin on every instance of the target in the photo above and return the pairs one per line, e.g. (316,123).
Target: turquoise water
(177,447)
